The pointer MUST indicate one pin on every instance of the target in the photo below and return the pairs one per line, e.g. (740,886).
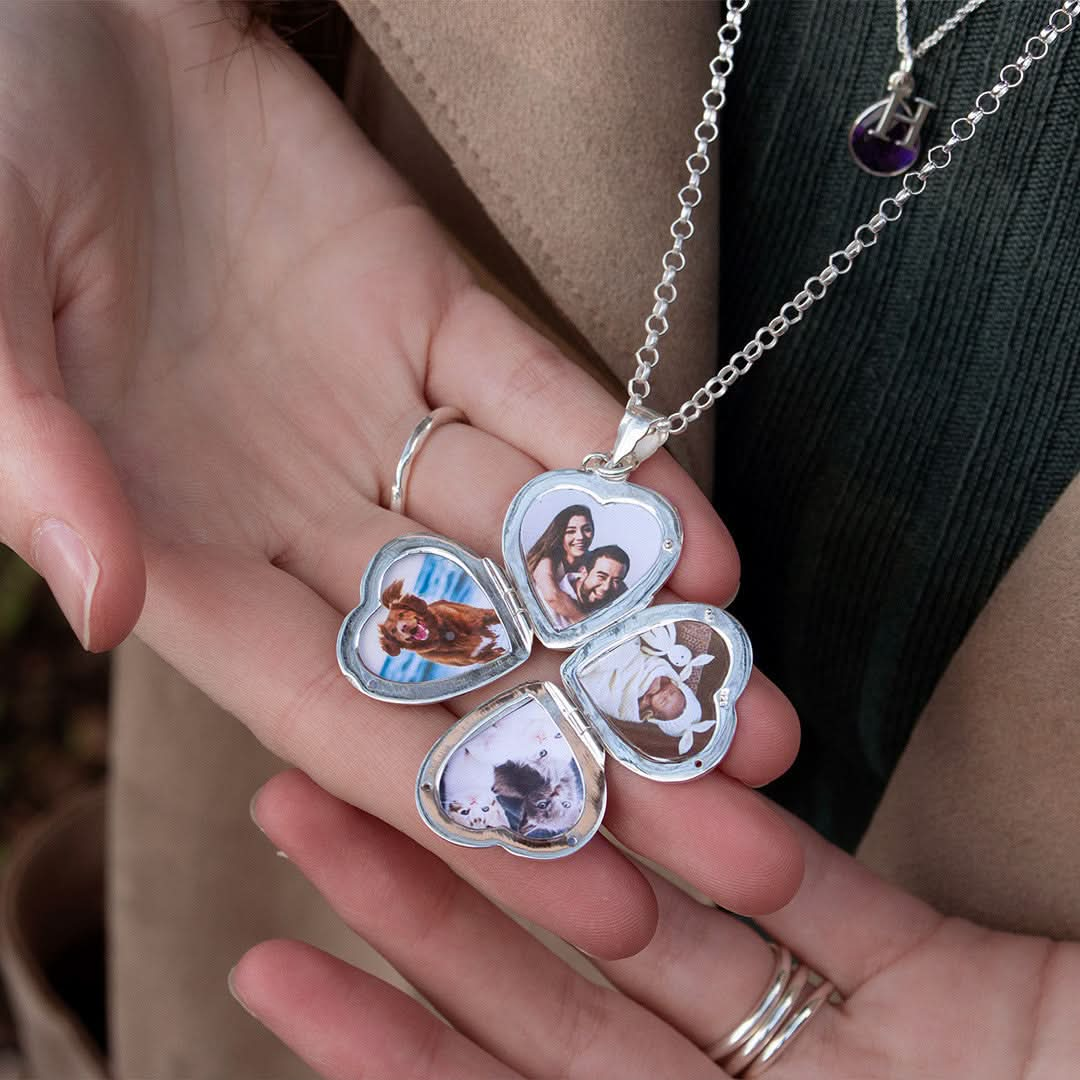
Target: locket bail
(640,434)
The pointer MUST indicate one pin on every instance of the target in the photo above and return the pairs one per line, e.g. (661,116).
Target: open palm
(222,314)
(928,998)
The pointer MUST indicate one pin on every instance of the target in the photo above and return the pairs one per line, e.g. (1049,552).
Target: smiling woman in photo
(558,551)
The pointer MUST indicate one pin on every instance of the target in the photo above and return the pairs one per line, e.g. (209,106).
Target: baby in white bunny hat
(644,681)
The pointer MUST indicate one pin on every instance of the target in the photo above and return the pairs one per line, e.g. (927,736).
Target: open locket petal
(584,551)
(520,773)
(434,621)
(659,689)
(654,687)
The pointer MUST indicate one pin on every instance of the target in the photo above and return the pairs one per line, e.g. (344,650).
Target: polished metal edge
(587,752)
(604,491)
(738,644)
(486,574)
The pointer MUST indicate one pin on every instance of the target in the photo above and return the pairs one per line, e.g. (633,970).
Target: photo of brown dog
(434,620)
(442,631)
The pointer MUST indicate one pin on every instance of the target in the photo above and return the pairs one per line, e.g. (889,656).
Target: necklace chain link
(908,56)
(815,288)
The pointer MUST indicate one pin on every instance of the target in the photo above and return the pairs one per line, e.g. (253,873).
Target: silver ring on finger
(792,998)
(445,414)
(778,980)
(795,1022)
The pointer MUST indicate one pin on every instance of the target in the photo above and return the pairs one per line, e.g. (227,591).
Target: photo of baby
(581,555)
(656,690)
(517,773)
(434,621)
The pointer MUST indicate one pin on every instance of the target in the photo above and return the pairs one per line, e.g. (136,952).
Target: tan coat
(981,815)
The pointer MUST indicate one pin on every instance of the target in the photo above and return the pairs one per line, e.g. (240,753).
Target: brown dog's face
(408,624)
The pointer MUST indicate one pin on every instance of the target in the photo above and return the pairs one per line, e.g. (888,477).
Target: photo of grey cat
(517,773)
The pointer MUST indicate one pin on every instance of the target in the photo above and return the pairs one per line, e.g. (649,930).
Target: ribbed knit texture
(882,467)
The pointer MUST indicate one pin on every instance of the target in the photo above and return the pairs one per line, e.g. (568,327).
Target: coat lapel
(980,816)
(570,124)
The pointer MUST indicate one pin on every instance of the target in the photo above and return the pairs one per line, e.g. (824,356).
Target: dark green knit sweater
(883,466)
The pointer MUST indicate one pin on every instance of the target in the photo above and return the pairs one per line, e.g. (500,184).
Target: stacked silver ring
(792,998)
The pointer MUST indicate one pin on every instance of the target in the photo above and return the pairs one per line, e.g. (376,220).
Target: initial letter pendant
(884,139)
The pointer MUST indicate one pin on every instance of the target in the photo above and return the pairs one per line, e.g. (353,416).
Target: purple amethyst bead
(881,156)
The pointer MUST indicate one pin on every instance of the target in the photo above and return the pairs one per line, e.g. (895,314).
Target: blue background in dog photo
(436,579)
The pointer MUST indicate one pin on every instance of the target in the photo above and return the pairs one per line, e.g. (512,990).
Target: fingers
(62,507)
(496,983)
(752,862)
(347,1024)
(463,481)
(678,976)
(461,485)
(701,973)
(844,920)
(728,842)
(723,838)
(766,737)
(262,645)
(515,385)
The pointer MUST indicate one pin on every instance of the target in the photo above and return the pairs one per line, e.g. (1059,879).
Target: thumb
(61,505)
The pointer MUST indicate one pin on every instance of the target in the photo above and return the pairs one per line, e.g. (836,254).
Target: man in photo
(600,578)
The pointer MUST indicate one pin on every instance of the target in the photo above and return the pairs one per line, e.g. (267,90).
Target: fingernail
(61,556)
(251,809)
(231,981)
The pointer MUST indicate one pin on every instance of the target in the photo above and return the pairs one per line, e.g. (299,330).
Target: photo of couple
(434,621)
(517,773)
(582,555)
(656,690)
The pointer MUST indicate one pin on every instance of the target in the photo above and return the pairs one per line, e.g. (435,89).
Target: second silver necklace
(585,551)
(885,139)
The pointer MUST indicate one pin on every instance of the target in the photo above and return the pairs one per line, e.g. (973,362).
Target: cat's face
(477,810)
(549,754)
(551,808)
(468,797)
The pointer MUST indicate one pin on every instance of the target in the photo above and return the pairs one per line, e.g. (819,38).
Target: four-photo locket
(655,687)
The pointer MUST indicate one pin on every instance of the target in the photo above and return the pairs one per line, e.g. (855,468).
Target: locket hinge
(572,710)
(511,598)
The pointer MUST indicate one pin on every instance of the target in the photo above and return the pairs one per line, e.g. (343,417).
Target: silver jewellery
(445,414)
(884,139)
(1037,47)
(792,997)
(584,551)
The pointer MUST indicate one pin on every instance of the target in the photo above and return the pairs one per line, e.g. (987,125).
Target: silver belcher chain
(890,210)
(682,228)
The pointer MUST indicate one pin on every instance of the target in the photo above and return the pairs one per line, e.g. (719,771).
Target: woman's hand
(927,997)
(221,314)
